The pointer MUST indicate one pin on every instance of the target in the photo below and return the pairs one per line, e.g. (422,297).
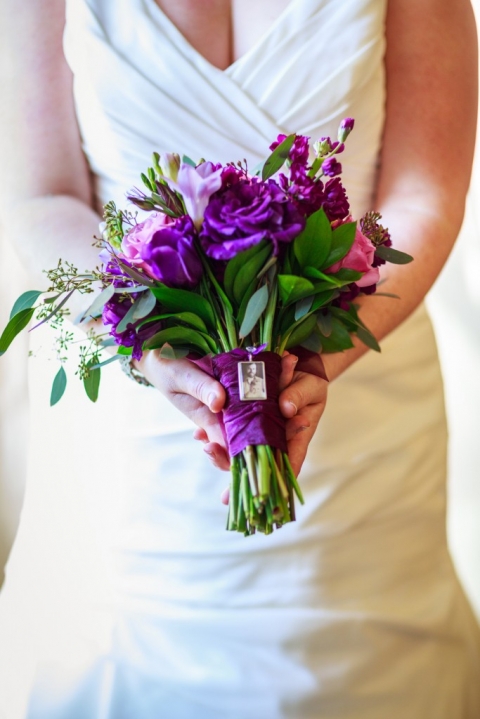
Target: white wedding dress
(125,598)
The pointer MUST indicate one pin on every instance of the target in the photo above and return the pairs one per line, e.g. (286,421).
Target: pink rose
(140,235)
(359,258)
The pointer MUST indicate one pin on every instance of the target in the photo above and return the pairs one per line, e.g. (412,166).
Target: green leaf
(186,160)
(55,310)
(339,338)
(324,322)
(278,157)
(92,381)
(174,300)
(107,361)
(292,288)
(303,307)
(97,305)
(255,308)
(248,272)
(58,386)
(169,352)
(394,256)
(368,339)
(301,332)
(187,317)
(235,265)
(343,237)
(312,246)
(346,276)
(178,335)
(324,298)
(125,350)
(25,302)
(14,327)
(313,343)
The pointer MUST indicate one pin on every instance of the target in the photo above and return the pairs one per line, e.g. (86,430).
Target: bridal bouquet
(230,268)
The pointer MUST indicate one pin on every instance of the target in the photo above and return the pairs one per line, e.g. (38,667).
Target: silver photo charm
(251,381)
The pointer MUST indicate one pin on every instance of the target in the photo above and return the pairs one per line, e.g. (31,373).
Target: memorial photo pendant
(252,384)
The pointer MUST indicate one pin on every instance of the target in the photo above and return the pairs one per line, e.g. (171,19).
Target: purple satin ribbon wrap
(255,422)
(250,422)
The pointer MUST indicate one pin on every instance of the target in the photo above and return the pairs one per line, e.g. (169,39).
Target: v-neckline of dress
(181,39)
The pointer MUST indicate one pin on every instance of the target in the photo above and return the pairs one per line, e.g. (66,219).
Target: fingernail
(295,360)
(292,404)
(211,399)
(209,452)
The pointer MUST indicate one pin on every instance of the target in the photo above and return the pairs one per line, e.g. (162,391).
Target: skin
(46,205)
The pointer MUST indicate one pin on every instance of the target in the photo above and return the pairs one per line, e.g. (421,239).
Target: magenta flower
(113,313)
(335,201)
(331,167)
(246,213)
(360,258)
(346,126)
(170,255)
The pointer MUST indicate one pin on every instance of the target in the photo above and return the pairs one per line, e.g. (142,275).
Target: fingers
(217,455)
(288,367)
(186,378)
(306,389)
(299,440)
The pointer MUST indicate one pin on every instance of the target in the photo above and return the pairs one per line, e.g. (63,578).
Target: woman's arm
(427,152)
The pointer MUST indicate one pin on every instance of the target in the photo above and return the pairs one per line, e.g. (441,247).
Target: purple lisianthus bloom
(246,213)
(331,167)
(113,313)
(170,255)
(335,202)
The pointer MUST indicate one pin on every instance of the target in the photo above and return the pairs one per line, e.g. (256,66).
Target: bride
(124,596)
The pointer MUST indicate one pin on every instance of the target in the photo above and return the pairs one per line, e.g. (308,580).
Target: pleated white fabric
(125,598)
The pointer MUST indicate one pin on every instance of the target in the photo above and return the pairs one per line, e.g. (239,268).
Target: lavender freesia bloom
(197,185)
(170,255)
(246,213)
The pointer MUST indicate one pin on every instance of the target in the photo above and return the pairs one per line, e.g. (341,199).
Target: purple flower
(331,167)
(113,313)
(298,155)
(197,185)
(170,255)
(346,126)
(336,203)
(306,192)
(141,235)
(246,213)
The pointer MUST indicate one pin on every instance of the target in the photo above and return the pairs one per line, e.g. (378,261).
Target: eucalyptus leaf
(25,302)
(313,343)
(394,256)
(277,159)
(18,322)
(130,290)
(249,270)
(235,265)
(178,335)
(58,387)
(343,238)
(175,300)
(107,361)
(324,322)
(55,310)
(312,246)
(255,308)
(97,305)
(303,307)
(172,353)
(91,383)
(136,275)
(246,300)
